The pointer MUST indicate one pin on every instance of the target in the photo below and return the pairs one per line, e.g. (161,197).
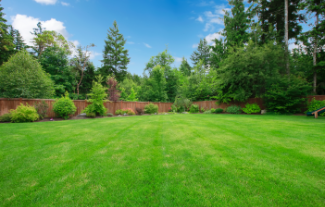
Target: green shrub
(234,109)
(64,107)
(91,115)
(180,109)
(5,117)
(202,109)
(213,110)
(287,97)
(128,111)
(41,108)
(109,114)
(194,108)
(97,98)
(173,108)
(151,108)
(207,112)
(217,111)
(314,105)
(119,112)
(252,108)
(24,114)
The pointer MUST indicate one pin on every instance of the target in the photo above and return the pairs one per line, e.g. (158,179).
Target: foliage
(212,110)
(6,39)
(236,25)
(139,111)
(234,109)
(54,61)
(287,96)
(252,108)
(113,93)
(202,53)
(182,103)
(91,114)
(173,108)
(119,112)
(23,77)
(314,105)
(79,63)
(185,68)
(97,98)
(64,106)
(6,117)
(128,111)
(164,59)
(154,87)
(24,113)
(202,109)
(217,111)
(207,112)
(194,108)
(109,114)
(115,56)
(151,108)
(245,74)
(41,108)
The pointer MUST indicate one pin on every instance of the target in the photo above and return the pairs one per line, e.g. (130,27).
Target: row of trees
(250,61)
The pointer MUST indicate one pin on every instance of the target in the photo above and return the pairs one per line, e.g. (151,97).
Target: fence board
(7,104)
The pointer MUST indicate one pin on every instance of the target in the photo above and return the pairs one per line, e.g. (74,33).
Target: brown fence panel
(7,104)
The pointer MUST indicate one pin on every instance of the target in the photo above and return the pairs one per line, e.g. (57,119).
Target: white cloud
(209,38)
(195,45)
(93,54)
(65,3)
(200,19)
(25,25)
(47,2)
(147,45)
(215,17)
(178,59)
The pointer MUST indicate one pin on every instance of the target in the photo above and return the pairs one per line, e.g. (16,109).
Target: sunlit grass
(165,160)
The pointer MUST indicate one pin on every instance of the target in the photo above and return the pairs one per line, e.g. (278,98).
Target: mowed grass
(166,160)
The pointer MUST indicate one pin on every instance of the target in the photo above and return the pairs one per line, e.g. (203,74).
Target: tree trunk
(286,36)
(82,75)
(315,59)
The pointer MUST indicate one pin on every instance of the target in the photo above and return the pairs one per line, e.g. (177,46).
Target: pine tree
(185,68)
(202,53)
(276,18)
(115,56)
(19,41)
(218,53)
(236,26)
(6,40)
(315,37)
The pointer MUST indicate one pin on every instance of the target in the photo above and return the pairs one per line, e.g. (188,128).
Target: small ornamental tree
(97,98)
(113,93)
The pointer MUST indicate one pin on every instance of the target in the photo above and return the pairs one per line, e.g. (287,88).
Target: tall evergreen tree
(236,26)
(185,68)
(6,40)
(115,56)
(315,38)
(202,53)
(276,18)
(218,53)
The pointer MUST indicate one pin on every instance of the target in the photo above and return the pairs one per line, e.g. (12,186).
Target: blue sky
(148,25)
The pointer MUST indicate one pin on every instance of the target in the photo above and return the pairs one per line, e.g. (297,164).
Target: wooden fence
(7,104)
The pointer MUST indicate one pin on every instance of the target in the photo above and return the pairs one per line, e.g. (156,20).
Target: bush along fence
(13,103)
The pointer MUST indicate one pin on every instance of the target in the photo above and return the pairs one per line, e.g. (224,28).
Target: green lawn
(167,160)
